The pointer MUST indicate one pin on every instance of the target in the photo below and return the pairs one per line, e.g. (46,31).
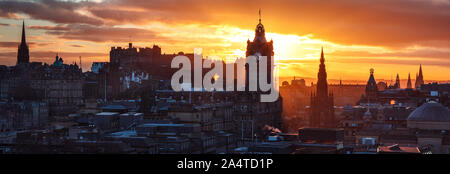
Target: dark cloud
(9,44)
(77,46)
(395,24)
(51,10)
(16,44)
(382,23)
(104,33)
(54,28)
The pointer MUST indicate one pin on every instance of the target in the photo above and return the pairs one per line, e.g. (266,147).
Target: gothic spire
(259,15)
(322,85)
(397,82)
(322,58)
(419,78)
(23,52)
(409,84)
(23,33)
(420,71)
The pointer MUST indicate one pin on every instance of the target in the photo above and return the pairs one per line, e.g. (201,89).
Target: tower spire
(409,84)
(420,71)
(322,105)
(397,82)
(322,58)
(260,15)
(23,33)
(23,52)
(322,85)
(419,78)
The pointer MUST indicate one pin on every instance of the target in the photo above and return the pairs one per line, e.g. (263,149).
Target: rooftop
(430,111)
(397,149)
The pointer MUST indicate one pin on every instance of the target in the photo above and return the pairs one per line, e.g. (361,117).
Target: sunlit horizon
(347,57)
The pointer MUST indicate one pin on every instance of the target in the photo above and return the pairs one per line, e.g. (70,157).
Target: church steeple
(409,84)
(23,55)
(23,33)
(397,82)
(419,78)
(322,58)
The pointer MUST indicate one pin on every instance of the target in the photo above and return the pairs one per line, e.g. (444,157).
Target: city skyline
(92,31)
(168,83)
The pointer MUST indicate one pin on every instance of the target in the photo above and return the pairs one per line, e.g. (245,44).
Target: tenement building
(58,84)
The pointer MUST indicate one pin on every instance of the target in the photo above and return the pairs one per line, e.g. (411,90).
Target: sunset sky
(390,36)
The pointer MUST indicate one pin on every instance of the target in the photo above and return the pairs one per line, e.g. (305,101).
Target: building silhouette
(409,84)
(397,82)
(371,87)
(419,78)
(259,47)
(23,55)
(322,104)
(57,85)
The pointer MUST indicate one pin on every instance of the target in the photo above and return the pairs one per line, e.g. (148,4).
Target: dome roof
(432,111)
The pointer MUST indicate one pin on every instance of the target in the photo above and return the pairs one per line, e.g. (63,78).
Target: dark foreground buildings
(126,106)
(58,84)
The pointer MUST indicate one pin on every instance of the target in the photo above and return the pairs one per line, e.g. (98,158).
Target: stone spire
(397,82)
(409,84)
(322,85)
(419,78)
(23,55)
(23,33)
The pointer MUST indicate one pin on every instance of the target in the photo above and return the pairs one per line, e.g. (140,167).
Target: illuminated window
(392,102)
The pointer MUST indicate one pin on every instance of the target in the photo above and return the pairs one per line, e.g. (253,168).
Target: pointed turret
(23,33)
(322,85)
(371,87)
(420,70)
(409,84)
(23,55)
(260,35)
(397,82)
(419,79)
(322,104)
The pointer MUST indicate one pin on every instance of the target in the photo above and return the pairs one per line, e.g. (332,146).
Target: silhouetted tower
(23,55)
(371,87)
(259,47)
(322,104)
(419,78)
(409,84)
(397,82)
(322,85)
